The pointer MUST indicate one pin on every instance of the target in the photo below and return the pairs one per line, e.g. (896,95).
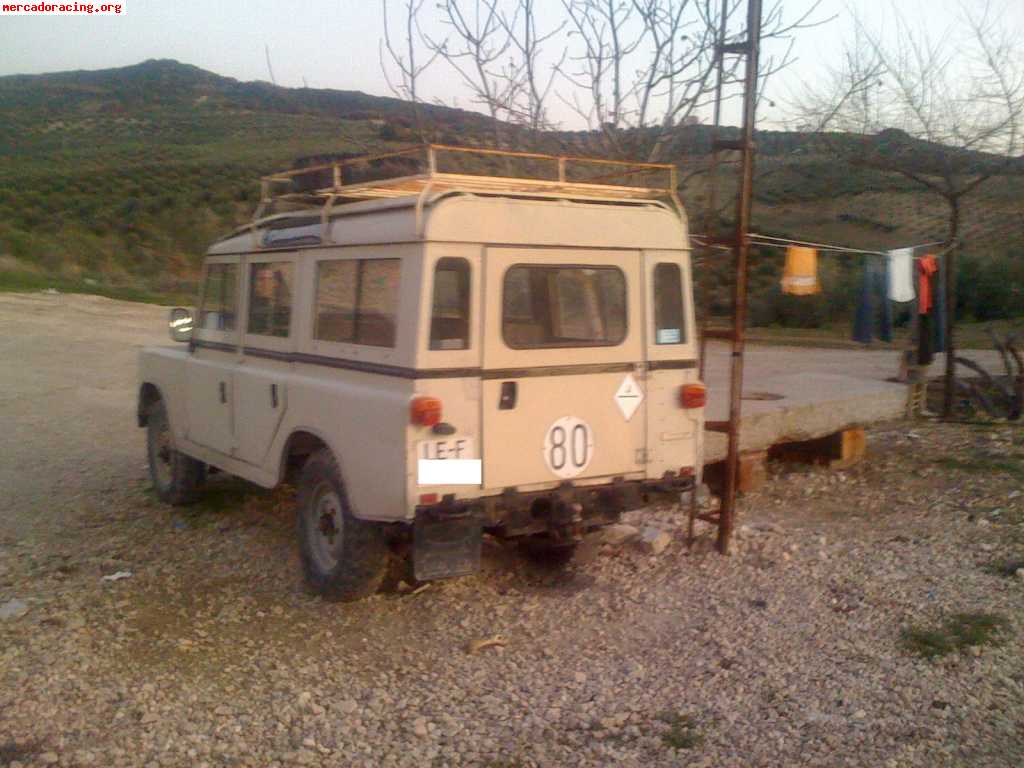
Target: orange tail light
(693,396)
(425,411)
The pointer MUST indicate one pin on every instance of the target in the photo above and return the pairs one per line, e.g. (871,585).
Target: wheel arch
(149,394)
(302,443)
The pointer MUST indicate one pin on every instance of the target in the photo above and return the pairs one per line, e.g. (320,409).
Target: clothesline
(839,248)
(769,240)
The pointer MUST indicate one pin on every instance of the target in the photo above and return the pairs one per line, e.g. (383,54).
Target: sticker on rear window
(669,335)
(568,446)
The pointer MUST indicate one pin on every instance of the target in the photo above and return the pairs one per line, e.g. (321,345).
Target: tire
(343,558)
(176,477)
(541,550)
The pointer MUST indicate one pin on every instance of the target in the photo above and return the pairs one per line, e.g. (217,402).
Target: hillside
(123,176)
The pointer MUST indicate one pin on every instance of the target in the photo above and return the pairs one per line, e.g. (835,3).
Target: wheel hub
(326,529)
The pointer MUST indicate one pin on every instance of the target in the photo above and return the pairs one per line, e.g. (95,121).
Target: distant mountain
(169,84)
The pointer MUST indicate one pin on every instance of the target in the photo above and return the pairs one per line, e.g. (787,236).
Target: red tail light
(693,396)
(425,411)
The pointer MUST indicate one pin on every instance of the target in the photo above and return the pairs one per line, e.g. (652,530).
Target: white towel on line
(901,274)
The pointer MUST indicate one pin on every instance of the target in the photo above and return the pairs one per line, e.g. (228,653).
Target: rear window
(563,306)
(270,298)
(357,300)
(220,298)
(668,304)
(449,318)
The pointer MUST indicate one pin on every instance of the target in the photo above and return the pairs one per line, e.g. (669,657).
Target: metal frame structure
(562,176)
(739,245)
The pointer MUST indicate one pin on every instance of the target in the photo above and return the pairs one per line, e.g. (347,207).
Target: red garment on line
(926,267)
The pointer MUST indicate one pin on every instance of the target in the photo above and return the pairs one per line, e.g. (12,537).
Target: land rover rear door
(562,395)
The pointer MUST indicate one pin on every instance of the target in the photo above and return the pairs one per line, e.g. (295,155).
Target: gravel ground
(786,653)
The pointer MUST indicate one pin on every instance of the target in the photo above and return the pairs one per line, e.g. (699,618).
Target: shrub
(960,631)
(992,287)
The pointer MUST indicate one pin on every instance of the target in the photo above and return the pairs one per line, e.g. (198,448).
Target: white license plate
(447,448)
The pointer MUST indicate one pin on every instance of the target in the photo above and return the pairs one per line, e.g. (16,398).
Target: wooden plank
(851,447)
(753,471)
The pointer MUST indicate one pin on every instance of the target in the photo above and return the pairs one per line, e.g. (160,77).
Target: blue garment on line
(874,312)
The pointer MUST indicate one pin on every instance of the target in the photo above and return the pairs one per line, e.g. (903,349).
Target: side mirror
(180,324)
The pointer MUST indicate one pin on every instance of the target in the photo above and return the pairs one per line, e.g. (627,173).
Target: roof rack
(433,168)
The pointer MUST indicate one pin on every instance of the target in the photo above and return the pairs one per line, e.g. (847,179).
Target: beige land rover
(436,354)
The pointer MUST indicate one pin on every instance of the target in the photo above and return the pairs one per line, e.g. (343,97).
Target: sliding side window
(270,298)
(357,301)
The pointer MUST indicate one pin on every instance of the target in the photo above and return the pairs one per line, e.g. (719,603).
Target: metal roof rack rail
(436,168)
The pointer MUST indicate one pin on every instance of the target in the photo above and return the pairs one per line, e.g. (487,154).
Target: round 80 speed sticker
(568,446)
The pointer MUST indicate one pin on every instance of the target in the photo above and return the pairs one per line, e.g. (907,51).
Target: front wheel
(176,477)
(343,558)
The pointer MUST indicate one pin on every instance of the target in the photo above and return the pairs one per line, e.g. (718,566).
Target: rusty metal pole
(711,209)
(742,249)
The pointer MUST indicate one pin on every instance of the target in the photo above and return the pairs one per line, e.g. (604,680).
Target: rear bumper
(566,510)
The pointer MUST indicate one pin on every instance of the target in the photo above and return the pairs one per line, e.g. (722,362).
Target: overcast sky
(334,43)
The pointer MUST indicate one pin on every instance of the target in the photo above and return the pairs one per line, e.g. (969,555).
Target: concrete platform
(822,391)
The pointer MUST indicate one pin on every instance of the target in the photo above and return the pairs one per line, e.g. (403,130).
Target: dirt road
(209,652)
(67,385)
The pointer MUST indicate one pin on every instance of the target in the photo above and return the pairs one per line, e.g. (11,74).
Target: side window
(377,302)
(220,299)
(563,306)
(335,300)
(270,298)
(668,304)
(449,318)
(357,301)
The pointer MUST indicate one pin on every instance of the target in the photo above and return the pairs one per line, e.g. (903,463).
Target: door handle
(509,393)
(273,395)
(223,392)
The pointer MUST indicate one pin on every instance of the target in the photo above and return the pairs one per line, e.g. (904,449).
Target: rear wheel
(343,558)
(176,477)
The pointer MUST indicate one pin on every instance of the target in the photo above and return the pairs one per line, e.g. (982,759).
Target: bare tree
(475,49)
(405,84)
(632,70)
(644,67)
(944,112)
(530,85)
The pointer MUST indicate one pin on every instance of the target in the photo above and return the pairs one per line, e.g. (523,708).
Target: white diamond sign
(629,396)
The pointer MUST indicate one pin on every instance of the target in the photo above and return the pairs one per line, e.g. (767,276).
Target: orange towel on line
(926,267)
(800,275)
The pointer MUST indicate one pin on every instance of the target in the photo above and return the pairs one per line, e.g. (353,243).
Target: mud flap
(446,545)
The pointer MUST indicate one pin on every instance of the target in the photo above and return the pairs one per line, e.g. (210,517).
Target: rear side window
(357,301)
(220,298)
(563,306)
(270,298)
(449,318)
(668,304)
